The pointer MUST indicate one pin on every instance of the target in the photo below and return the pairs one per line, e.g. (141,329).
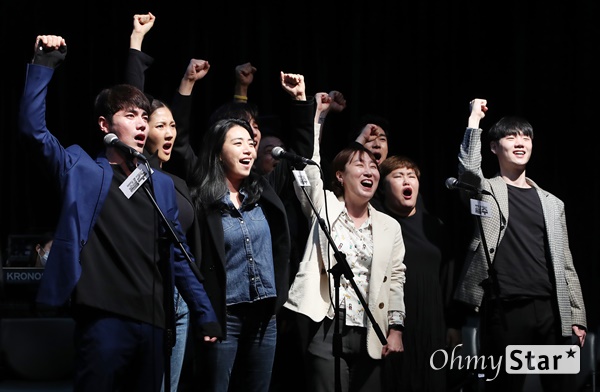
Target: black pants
(294,333)
(528,321)
(358,371)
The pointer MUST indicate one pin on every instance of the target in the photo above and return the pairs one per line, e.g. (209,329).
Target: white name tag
(135,180)
(301,177)
(480,208)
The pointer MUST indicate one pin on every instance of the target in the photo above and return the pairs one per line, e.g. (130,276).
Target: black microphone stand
(341,268)
(492,286)
(168,291)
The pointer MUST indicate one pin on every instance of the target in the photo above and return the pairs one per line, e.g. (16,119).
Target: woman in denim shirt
(244,260)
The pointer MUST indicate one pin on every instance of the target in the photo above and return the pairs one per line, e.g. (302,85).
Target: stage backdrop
(417,63)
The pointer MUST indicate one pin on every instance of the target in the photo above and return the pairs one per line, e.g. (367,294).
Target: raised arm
(302,109)
(323,103)
(469,157)
(300,130)
(196,70)
(337,103)
(294,85)
(142,23)
(184,157)
(313,174)
(137,61)
(49,52)
(368,134)
(477,108)
(244,76)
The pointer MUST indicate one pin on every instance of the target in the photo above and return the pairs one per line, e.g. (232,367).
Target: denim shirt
(248,251)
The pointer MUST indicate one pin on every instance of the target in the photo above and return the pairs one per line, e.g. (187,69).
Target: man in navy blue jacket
(106,256)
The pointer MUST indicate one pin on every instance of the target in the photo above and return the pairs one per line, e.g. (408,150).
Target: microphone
(112,140)
(279,153)
(452,183)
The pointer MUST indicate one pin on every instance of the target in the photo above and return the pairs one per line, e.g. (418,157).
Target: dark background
(417,63)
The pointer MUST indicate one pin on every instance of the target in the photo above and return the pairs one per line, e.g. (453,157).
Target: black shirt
(521,264)
(120,273)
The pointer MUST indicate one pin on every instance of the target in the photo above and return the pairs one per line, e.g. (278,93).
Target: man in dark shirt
(531,293)
(107,259)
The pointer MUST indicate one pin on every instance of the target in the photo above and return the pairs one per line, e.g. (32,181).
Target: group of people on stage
(269,272)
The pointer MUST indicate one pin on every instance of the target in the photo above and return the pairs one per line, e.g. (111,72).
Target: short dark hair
(509,125)
(119,97)
(395,162)
(233,109)
(340,161)
(270,125)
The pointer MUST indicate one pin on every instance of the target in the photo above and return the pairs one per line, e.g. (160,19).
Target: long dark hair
(207,181)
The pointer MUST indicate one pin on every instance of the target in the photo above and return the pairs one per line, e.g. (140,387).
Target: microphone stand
(492,286)
(341,268)
(168,291)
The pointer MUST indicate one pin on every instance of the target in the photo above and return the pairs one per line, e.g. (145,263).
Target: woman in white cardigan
(373,247)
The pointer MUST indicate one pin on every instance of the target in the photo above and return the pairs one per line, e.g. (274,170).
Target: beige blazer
(313,287)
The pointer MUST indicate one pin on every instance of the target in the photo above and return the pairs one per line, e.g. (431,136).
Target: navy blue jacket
(84,184)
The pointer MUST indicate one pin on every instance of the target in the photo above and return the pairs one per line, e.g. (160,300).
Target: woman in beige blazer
(373,247)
